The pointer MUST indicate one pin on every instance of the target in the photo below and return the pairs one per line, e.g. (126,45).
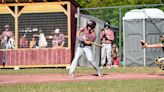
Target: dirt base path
(43,78)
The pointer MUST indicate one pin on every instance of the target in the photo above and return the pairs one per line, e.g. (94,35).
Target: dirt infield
(45,78)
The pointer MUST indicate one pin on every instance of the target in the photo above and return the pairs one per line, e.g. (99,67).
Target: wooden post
(64,10)
(11,12)
(16,27)
(69,24)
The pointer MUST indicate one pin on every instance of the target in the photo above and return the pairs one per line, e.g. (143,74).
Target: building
(24,16)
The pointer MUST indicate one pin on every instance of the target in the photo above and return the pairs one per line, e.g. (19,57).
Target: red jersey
(109,36)
(91,36)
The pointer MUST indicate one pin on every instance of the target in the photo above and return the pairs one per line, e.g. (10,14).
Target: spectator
(7,41)
(58,39)
(115,55)
(42,43)
(33,43)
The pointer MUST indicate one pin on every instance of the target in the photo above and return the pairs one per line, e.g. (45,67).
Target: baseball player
(85,37)
(106,37)
(159,60)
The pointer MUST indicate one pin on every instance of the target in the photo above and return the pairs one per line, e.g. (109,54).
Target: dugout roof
(35,1)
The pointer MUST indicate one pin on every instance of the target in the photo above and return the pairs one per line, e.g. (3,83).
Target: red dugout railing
(47,57)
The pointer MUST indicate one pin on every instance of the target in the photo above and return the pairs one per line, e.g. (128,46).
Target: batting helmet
(91,24)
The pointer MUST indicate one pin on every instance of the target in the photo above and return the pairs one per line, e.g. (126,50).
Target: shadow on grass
(152,74)
(160,74)
(156,74)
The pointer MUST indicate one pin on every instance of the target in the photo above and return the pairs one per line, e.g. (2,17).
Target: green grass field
(90,86)
(149,85)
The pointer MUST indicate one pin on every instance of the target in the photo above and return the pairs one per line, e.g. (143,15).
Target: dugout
(146,24)
(47,15)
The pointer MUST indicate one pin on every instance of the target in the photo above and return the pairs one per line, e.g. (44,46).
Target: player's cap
(7,26)
(107,25)
(57,30)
